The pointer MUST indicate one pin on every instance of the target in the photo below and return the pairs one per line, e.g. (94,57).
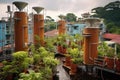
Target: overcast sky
(54,8)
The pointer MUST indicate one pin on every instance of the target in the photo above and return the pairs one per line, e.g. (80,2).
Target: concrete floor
(63,75)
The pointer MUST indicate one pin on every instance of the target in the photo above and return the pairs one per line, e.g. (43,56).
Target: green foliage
(46,73)
(110,13)
(42,49)
(21,55)
(70,17)
(50,61)
(74,45)
(31,76)
(61,16)
(21,60)
(44,61)
(77,60)
(76,55)
(49,44)
(118,48)
(36,58)
(50,25)
(104,49)
(118,55)
(64,45)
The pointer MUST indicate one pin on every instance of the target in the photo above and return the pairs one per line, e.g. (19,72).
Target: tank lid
(92,22)
(20,5)
(38,9)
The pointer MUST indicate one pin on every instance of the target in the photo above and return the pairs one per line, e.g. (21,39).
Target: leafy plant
(50,61)
(76,55)
(21,60)
(111,52)
(104,49)
(46,73)
(77,60)
(32,75)
(8,69)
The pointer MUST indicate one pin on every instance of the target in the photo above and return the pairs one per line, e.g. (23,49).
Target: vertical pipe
(39,28)
(21,31)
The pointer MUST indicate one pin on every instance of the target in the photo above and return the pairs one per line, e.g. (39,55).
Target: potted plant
(22,60)
(50,61)
(77,59)
(7,71)
(50,44)
(101,49)
(59,47)
(117,62)
(64,48)
(67,60)
(31,75)
(20,63)
(47,73)
(109,59)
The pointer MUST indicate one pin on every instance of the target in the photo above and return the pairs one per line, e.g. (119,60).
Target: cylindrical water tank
(90,44)
(61,27)
(21,31)
(39,28)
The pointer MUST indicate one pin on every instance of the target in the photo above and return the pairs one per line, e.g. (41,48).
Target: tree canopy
(70,17)
(111,14)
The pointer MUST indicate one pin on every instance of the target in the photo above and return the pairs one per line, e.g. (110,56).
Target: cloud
(56,7)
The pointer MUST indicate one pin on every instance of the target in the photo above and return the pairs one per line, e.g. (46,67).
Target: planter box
(73,68)
(109,62)
(117,63)
(68,61)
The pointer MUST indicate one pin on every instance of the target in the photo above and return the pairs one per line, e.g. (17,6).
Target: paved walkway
(63,75)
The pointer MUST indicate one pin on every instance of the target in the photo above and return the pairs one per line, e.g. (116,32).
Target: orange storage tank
(61,27)
(21,31)
(39,28)
(90,44)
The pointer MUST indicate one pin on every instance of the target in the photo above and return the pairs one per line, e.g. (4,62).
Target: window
(76,27)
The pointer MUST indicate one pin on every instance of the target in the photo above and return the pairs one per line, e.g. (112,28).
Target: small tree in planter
(7,71)
(50,65)
(106,52)
(50,44)
(64,48)
(20,63)
(77,58)
(32,75)
(101,49)
(109,59)
(47,73)
(50,61)
(22,60)
(44,62)
(78,38)
(67,60)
